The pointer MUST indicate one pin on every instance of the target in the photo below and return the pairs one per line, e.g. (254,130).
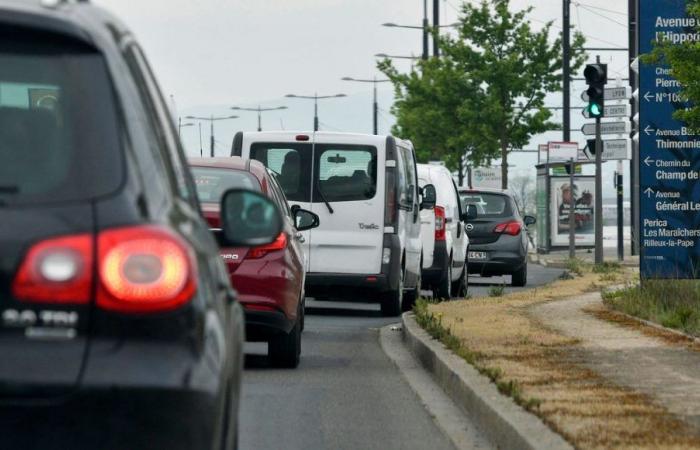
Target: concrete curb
(506,424)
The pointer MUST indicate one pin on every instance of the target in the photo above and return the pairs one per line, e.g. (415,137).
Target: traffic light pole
(598,193)
(572,211)
(566,71)
(619,187)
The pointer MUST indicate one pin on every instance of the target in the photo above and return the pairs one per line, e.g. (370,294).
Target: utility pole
(633,13)
(436,26)
(375,104)
(315,98)
(211,120)
(598,188)
(572,210)
(211,138)
(201,151)
(259,110)
(566,71)
(426,25)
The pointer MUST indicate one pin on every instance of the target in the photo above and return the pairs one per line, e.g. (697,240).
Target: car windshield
(213,182)
(58,128)
(487,205)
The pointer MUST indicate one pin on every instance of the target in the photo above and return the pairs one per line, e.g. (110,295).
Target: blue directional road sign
(669,153)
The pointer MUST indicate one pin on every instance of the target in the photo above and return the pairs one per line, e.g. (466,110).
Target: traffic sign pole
(572,211)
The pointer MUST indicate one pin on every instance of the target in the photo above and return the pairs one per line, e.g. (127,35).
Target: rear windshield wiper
(323,197)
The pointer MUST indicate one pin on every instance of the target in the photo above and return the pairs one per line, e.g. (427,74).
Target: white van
(445,240)
(364,189)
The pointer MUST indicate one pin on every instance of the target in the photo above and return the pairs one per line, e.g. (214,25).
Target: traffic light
(596,77)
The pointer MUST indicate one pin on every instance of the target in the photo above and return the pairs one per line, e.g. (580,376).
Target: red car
(270,278)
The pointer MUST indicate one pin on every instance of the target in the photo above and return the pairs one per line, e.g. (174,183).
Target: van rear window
(58,127)
(343,173)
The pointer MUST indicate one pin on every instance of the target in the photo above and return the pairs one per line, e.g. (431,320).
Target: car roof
(325,136)
(477,190)
(76,19)
(256,168)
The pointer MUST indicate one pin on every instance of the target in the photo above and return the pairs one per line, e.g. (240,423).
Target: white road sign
(611,111)
(606,128)
(562,151)
(613,149)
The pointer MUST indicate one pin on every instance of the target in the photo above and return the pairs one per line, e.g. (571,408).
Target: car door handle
(300,237)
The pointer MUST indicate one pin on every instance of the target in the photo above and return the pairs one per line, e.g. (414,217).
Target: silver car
(498,240)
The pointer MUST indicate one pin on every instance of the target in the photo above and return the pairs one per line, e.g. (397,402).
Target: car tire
(461,286)
(302,302)
(519,277)
(443,289)
(285,350)
(391,301)
(411,297)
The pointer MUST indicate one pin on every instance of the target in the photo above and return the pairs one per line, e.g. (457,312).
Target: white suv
(444,237)
(364,189)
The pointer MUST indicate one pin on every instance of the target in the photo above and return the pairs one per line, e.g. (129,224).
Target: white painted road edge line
(451,420)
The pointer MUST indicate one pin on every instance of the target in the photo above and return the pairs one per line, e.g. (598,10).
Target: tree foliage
(486,94)
(684,61)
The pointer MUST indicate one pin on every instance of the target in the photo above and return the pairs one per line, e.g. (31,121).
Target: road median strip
(506,351)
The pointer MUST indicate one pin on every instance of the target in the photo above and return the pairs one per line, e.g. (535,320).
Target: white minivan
(364,188)
(444,236)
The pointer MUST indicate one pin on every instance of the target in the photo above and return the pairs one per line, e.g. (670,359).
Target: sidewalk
(666,373)
(558,258)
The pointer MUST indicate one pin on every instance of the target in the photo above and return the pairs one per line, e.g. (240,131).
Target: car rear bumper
(262,325)
(498,262)
(114,418)
(437,271)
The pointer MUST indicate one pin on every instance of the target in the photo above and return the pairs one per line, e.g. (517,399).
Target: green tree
(684,61)
(487,90)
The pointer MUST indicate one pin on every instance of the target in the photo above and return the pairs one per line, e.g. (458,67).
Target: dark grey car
(498,240)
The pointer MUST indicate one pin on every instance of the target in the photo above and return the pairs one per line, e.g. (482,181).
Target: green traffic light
(595,110)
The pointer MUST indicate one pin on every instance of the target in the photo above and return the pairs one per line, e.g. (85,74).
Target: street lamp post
(259,110)
(181,125)
(211,121)
(425,28)
(315,98)
(375,106)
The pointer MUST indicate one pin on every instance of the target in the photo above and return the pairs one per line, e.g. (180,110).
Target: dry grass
(544,371)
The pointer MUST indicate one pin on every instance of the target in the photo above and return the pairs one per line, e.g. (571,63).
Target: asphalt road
(345,394)
(536,276)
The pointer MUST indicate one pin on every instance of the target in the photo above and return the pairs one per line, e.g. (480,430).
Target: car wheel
(284,350)
(410,298)
(443,289)
(519,278)
(459,287)
(392,300)
(302,302)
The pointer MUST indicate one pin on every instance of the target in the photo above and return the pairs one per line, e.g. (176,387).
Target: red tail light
(390,203)
(512,228)
(279,244)
(439,223)
(144,269)
(57,271)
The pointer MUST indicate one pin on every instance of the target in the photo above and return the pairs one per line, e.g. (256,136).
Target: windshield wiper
(323,197)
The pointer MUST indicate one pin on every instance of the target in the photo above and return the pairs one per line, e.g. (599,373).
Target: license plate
(477,255)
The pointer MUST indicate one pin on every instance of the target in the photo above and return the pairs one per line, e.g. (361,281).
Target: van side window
(407,174)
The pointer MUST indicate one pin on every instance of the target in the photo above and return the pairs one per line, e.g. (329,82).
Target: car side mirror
(249,219)
(305,220)
(529,220)
(471,214)
(429,197)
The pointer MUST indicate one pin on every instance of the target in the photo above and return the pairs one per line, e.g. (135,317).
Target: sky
(209,55)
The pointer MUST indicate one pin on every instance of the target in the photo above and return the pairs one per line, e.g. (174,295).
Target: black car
(498,241)
(118,325)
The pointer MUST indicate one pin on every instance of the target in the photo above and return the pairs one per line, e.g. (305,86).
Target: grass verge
(544,371)
(673,304)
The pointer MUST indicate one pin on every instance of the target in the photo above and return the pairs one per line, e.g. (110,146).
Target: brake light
(279,244)
(390,203)
(302,137)
(512,228)
(144,269)
(57,271)
(439,223)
